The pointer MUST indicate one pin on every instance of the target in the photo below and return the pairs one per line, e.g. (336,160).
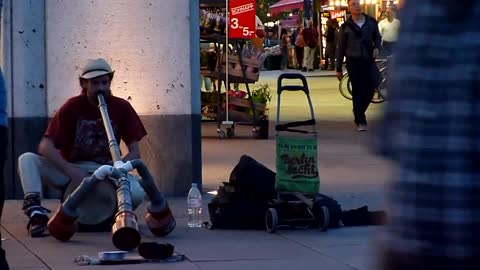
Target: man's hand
(339,75)
(76,175)
(376,53)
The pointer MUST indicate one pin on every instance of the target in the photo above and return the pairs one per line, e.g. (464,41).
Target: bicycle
(380,94)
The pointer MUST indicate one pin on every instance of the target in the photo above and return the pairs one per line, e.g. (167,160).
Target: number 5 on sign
(246,32)
(242,19)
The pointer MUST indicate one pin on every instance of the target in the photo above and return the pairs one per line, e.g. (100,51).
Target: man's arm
(377,40)
(381,27)
(377,37)
(340,52)
(48,150)
(133,152)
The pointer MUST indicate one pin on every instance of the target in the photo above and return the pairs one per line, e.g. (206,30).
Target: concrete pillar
(152,44)
(23,60)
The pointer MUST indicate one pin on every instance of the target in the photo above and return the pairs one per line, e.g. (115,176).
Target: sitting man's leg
(136,190)
(33,170)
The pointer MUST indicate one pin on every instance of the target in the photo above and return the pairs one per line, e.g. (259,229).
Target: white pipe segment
(127,166)
(103,172)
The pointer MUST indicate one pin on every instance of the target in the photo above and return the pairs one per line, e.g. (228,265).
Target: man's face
(390,14)
(354,7)
(96,85)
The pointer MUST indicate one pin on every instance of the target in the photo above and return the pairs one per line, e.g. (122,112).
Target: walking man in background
(389,30)
(310,37)
(431,131)
(331,38)
(359,41)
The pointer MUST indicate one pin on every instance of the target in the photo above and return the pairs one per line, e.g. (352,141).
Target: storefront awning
(286,5)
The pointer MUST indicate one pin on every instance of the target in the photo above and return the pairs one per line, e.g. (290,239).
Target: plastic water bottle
(194,207)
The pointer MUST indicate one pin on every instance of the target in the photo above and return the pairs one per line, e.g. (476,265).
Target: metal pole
(112,142)
(125,234)
(226,58)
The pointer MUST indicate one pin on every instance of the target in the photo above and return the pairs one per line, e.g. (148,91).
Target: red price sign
(242,19)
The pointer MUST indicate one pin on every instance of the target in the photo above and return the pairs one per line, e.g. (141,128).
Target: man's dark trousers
(360,73)
(3,156)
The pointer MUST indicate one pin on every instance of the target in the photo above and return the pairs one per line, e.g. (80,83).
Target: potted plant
(262,95)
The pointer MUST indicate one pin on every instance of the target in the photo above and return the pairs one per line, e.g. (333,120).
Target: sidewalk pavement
(349,172)
(336,249)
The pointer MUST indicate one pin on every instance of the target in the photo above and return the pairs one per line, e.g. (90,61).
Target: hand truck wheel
(256,132)
(326,218)
(271,220)
(230,132)
(221,134)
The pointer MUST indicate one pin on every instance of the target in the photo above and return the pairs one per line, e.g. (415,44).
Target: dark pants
(387,49)
(284,63)
(330,55)
(3,157)
(299,56)
(361,76)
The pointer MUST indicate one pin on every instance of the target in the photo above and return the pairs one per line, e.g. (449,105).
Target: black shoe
(153,250)
(38,219)
(311,69)
(37,225)
(304,69)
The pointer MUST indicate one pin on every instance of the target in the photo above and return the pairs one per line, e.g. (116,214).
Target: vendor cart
(297,181)
(229,66)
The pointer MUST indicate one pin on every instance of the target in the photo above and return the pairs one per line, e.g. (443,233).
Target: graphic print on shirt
(91,142)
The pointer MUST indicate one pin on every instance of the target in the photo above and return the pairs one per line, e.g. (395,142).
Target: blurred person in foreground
(3,152)
(432,131)
(3,155)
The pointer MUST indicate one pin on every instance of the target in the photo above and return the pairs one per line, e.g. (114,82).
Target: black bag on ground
(315,202)
(253,179)
(231,209)
(363,217)
(243,202)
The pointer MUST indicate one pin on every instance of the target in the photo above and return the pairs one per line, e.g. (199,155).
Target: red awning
(286,5)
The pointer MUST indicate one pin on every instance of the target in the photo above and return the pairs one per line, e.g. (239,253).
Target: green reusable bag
(297,164)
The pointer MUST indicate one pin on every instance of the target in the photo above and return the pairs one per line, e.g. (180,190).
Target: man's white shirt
(389,30)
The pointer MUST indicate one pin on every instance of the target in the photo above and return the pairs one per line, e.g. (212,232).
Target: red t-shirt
(77,129)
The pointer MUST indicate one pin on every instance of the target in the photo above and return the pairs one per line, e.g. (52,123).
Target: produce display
(211,22)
